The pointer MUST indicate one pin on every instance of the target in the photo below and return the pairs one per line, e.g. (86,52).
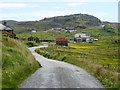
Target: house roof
(3,27)
(8,28)
(61,39)
(81,35)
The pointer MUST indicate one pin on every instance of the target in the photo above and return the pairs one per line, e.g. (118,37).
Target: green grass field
(17,63)
(47,35)
(95,32)
(98,58)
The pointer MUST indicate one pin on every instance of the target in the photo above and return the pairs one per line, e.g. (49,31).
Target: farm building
(83,37)
(62,41)
(57,29)
(6,29)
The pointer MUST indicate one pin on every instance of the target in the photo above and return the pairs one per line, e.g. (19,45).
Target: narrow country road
(56,74)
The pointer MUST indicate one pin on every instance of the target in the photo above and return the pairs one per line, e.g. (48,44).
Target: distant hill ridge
(74,21)
(71,21)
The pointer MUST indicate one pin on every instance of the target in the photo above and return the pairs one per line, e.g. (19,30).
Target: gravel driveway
(57,74)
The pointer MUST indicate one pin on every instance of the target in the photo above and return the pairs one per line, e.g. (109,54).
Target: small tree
(31,38)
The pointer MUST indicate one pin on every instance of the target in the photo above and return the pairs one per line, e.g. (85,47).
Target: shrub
(31,44)
(36,39)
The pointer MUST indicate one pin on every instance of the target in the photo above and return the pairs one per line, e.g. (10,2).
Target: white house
(83,37)
(33,30)
(102,26)
(58,29)
(70,30)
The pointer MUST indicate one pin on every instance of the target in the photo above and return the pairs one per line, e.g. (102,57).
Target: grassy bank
(98,58)
(17,63)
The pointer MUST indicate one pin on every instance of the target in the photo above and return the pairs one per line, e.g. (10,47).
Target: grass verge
(17,63)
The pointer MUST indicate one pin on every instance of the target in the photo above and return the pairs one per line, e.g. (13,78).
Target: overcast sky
(31,10)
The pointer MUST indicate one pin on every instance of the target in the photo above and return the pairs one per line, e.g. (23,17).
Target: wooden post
(103,65)
(108,66)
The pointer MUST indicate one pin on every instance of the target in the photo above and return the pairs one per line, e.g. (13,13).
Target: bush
(36,39)
(31,44)
(31,38)
(47,55)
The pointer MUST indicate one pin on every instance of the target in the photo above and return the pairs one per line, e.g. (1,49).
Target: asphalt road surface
(57,74)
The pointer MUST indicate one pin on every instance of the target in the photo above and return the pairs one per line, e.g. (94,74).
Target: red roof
(61,39)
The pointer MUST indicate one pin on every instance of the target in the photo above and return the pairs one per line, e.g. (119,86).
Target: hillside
(17,63)
(75,21)
(71,21)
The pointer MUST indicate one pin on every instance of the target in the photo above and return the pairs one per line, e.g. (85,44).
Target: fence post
(108,66)
(103,65)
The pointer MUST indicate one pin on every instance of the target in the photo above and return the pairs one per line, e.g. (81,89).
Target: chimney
(4,23)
